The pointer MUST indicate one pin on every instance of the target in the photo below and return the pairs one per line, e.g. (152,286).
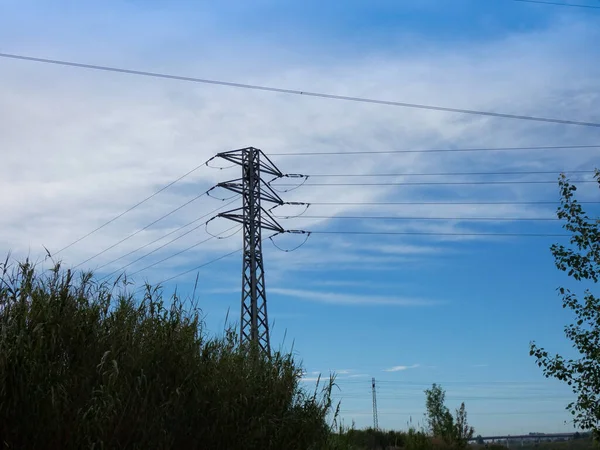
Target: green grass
(86,365)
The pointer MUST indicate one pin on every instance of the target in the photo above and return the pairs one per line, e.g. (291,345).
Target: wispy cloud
(350,299)
(334,371)
(310,379)
(405,249)
(141,134)
(342,283)
(402,368)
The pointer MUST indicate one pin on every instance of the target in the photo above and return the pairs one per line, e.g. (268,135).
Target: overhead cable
(509,413)
(198,267)
(141,229)
(438,150)
(572,5)
(130,209)
(425,233)
(440,183)
(197,244)
(202,265)
(165,244)
(444,174)
(467,219)
(304,93)
(476,202)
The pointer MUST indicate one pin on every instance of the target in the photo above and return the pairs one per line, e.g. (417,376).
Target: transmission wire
(130,209)
(438,150)
(141,229)
(166,235)
(303,93)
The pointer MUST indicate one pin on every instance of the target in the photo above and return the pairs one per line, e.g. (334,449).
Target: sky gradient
(79,147)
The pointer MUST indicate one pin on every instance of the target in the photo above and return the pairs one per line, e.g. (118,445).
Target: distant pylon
(375,418)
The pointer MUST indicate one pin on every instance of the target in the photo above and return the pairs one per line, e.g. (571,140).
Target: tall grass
(87,365)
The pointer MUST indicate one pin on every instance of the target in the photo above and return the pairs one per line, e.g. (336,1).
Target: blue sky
(80,147)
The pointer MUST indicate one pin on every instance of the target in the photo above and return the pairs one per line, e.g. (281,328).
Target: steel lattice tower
(375,418)
(254,325)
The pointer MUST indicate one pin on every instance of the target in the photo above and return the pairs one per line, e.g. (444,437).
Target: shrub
(87,365)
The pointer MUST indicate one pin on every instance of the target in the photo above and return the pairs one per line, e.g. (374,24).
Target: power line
(167,243)
(439,150)
(543,2)
(424,233)
(440,183)
(166,235)
(509,413)
(141,229)
(445,174)
(304,93)
(200,266)
(414,394)
(197,244)
(490,219)
(500,202)
(130,209)
(510,383)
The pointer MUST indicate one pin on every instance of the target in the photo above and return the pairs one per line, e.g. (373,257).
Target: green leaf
(581,261)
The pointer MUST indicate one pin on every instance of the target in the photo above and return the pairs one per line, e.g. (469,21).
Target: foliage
(463,432)
(419,440)
(454,431)
(85,365)
(574,444)
(445,431)
(439,419)
(366,439)
(581,261)
(353,439)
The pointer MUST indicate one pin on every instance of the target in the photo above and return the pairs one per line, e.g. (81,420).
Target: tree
(480,440)
(581,261)
(454,431)
(439,419)
(462,430)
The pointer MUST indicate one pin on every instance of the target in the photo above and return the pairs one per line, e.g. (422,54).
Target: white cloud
(402,368)
(341,283)
(80,146)
(349,299)
(311,379)
(334,371)
(405,249)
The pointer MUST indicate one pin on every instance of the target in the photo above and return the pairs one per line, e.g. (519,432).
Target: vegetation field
(85,364)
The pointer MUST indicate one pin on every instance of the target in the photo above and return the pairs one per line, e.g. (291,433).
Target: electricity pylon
(254,325)
(375,418)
